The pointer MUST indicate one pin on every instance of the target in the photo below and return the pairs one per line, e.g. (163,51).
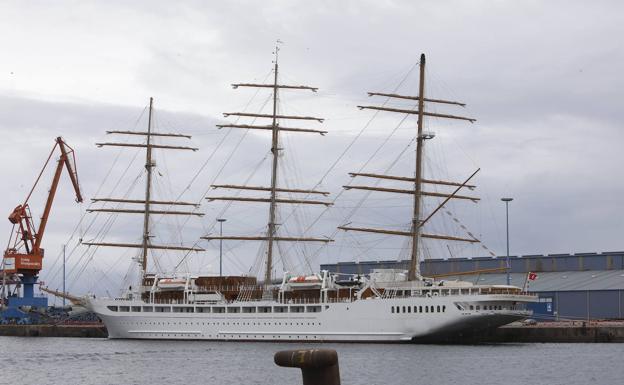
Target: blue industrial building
(583,286)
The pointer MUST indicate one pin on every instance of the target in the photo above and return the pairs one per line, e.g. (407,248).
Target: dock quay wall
(85,331)
(559,332)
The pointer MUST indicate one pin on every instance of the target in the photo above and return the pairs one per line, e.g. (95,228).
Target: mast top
(276,52)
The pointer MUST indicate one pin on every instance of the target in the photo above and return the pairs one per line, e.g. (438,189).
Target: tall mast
(415,232)
(271,235)
(146,244)
(148,190)
(273,206)
(414,270)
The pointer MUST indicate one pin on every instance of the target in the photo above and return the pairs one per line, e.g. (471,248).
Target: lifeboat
(307,281)
(349,282)
(172,284)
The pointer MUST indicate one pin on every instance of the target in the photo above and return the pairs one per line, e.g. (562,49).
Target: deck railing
(386,293)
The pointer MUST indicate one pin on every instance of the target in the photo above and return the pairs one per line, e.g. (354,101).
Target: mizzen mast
(414,269)
(271,230)
(147,202)
(418,180)
(271,234)
(149,165)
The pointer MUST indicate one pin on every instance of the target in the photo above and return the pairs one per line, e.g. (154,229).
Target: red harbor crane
(24,256)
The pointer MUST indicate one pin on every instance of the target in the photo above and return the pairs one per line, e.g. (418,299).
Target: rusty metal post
(318,366)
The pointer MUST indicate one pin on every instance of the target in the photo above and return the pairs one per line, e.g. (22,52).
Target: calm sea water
(100,361)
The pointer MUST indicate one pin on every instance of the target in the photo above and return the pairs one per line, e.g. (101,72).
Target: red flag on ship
(532,276)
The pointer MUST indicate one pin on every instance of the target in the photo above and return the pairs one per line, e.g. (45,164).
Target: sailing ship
(387,305)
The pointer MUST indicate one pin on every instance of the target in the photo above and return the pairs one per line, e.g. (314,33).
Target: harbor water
(63,361)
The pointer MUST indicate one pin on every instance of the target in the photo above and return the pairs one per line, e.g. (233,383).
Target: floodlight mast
(507,260)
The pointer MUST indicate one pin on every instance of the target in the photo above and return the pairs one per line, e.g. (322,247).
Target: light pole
(64,290)
(221,220)
(507,200)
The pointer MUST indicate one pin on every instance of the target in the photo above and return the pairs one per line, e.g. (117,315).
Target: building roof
(555,281)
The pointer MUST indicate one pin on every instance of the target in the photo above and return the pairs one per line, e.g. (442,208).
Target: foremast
(417,221)
(147,201)
(274,200)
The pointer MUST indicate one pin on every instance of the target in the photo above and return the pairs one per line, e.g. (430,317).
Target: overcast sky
(542,78)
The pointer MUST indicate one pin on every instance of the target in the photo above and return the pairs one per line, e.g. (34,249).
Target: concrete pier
(82,330)
(576,331)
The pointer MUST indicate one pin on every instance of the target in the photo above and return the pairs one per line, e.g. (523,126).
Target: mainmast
(417,223)
(147,202)
(271,235)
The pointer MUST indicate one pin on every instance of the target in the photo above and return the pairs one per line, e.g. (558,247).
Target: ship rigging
(148,203)
(272,236)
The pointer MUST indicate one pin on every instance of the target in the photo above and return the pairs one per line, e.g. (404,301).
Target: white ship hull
(371,320)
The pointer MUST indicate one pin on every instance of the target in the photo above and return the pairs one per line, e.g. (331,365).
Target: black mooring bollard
(318,366)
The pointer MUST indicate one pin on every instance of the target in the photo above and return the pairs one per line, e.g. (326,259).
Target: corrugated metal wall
(526,263)
(580,305)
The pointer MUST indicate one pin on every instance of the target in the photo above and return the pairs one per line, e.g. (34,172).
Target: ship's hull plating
(374,320)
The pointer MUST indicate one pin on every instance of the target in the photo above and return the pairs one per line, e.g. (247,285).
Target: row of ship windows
(486,307)
(233,336)
(218,309)
(227,323)
(418,309)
